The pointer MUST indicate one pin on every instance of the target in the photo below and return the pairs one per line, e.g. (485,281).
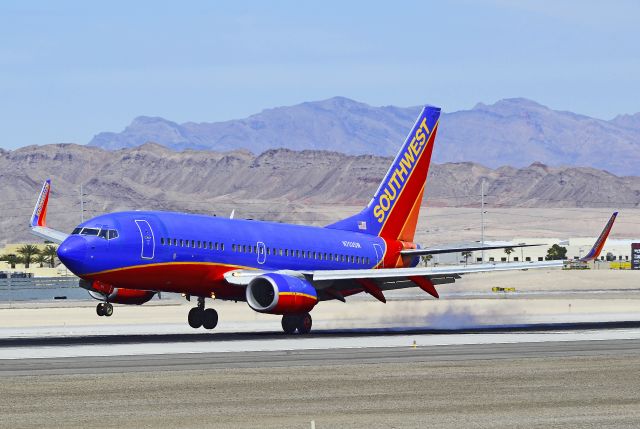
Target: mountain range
(279,184)
(512,132)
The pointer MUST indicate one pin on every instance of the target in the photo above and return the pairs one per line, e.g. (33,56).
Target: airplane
(276,268)
(595,251)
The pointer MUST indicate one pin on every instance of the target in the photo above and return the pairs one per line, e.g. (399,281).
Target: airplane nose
(72,253)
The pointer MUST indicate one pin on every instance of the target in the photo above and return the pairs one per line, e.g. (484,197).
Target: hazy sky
(70,69)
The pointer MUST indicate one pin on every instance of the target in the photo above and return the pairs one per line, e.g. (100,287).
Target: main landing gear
(300,322)
(201,317)
(104,309)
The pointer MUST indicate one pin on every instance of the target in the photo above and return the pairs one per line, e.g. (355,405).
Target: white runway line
(289,344)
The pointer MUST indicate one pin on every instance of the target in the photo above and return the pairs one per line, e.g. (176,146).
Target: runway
(518,361)
(197,343)
(317,357)
(580,383)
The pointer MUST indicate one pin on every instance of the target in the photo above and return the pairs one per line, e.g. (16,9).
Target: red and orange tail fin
(594,253)
(394,208)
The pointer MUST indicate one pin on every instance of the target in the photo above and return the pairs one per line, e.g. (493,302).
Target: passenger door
(379,255)
(148,240)
(262,252)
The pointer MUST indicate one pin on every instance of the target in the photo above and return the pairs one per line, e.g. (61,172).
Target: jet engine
(275,293)
(100,291)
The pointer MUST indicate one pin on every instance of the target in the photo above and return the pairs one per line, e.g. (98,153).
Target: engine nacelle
(100,291)
(281,294)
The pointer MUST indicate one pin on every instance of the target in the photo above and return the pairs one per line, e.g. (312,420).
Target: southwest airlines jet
(282,269)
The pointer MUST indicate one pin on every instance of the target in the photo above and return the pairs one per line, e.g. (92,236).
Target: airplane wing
(439,250)
(38,222)
(340,283)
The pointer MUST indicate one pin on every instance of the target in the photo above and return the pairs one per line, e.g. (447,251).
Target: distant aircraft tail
(393,211)
(594,253)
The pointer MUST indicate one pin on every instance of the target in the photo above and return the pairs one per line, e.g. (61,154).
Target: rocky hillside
(276,185)
(513,132)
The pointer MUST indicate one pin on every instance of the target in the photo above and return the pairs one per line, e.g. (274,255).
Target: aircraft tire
(290,323)
(100,309)
(195,318)
(304,324)
(209,318)
(107,309)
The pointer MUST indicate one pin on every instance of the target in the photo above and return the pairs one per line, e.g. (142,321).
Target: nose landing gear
(201,317)
(300,322)
(104,309)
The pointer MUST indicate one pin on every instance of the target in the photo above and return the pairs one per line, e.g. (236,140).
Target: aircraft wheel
(209,318)
(195,317)
(304,324)
(289,323)
(107,309)
(100,309)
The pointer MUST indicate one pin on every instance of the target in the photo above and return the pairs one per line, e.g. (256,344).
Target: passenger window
(233,247)
(280,252)
(221,246)
(161,240)
(193,243)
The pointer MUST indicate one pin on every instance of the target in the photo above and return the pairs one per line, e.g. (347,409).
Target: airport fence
(40,288)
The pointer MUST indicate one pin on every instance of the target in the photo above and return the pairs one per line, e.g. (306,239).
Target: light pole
(482,217)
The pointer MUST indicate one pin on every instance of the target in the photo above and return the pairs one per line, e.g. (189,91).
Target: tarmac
(515,385)
(562,351)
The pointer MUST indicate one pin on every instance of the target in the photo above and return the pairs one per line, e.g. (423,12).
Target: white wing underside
(324,278)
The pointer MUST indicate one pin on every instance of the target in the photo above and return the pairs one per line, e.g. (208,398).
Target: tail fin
(393,211)
(39,217)
(594,253)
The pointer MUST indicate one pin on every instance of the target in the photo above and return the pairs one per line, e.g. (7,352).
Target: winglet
(594,253)
(39,217)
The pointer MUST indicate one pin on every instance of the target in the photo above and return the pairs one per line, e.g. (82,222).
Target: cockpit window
(104,233)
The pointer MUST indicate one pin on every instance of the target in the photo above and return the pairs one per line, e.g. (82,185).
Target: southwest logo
(408,160)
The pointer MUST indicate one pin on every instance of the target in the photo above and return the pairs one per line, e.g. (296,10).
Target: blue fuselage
(187,253)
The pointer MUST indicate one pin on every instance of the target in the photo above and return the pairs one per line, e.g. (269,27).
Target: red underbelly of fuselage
(196,279)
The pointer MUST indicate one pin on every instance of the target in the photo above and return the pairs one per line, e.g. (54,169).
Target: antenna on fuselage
(233,212)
